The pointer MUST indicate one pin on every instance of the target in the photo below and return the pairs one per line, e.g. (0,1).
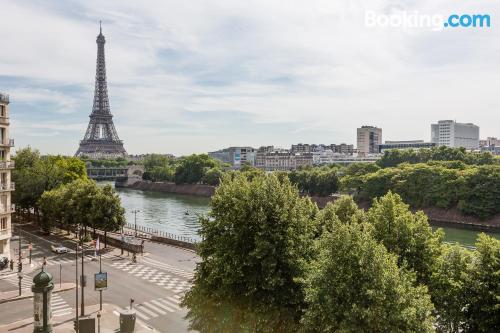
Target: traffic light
(20,266)
(75,326)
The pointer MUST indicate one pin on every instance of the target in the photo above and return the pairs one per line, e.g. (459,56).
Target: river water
(178,214)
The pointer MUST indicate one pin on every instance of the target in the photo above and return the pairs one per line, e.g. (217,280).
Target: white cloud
(309,66)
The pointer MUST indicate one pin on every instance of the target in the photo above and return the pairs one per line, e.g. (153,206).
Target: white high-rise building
(6,186)
(449,133)
(368,139)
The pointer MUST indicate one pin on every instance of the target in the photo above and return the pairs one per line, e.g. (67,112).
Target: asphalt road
(156,282)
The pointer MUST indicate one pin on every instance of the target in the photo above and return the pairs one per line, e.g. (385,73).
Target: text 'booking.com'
(436,22)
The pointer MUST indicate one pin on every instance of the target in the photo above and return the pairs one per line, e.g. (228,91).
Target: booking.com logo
(415,19)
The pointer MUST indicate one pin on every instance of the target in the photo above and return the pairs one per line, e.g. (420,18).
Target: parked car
(4,262)
(59,249)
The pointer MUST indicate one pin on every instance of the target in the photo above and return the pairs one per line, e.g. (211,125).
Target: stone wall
(190,189)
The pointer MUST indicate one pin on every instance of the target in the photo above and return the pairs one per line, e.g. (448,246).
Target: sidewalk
(109,323)
(13,295)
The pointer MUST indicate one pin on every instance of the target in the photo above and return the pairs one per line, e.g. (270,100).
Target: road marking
(154,307)
(163,306)
(59,306)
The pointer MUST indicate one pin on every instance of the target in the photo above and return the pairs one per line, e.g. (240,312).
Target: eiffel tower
(101,139)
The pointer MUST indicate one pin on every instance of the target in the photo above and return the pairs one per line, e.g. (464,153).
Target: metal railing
(4,98)
(4,120)
(147,232)
(7,165)
(4,232)
(8,187)
(8,143)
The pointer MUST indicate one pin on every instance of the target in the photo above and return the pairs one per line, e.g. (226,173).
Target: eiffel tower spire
(101,139)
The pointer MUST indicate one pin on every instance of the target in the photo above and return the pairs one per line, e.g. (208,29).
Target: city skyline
(189,79)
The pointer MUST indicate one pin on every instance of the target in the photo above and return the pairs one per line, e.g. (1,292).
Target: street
(156,282)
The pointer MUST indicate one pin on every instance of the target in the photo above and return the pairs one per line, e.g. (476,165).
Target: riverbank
(188,189)
(437,216)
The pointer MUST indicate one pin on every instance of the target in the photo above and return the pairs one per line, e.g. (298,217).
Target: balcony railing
(4,120)
(4,98)
(7,165)
(8,187)
(8,143)
(4,232)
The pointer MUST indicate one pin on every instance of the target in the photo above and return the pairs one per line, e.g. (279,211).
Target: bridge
(106,173)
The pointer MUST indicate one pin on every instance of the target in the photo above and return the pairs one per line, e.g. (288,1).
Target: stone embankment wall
(190,189)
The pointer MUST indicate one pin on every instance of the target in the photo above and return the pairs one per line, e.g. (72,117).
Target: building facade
(342,148)
(449,133)
(236,156)
(6,186)
(368,140)
(415,144)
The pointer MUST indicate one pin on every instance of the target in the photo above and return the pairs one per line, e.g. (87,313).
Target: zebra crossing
(26,281)
(157,307)
(71,260)
(169,268)
(166,280)
(59,306)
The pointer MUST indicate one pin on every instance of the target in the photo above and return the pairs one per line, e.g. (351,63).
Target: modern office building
(415,144)
(368,139)
(449,133)
(236,156)
(6,186)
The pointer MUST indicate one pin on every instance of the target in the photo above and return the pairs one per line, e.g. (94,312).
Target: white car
(59,249)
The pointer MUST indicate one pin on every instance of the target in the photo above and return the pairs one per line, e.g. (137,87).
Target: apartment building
(6,186)
(236,156)
(342,148)
(368,139)
(449,133)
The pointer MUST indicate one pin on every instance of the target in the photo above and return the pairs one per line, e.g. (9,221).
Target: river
(178,214)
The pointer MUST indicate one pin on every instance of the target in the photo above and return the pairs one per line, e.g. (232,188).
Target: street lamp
(135,211)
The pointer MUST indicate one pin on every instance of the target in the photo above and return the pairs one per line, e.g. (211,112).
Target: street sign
(101,281)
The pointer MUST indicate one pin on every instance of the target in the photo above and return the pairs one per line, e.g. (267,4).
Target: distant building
(342,148)
(415,144)
(490,141)
(286,160)
(6,186)
(449,133)
(235,156)
(368,139)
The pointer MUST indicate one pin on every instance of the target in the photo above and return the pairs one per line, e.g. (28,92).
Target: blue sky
(195,76)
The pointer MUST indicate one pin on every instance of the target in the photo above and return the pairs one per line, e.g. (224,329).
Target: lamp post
(135,211)
(20,277)
(42,289)
(77,323)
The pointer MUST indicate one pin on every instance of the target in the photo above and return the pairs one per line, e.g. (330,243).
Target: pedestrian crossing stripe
(59,306)
(169,268)
(25,282)
(162,279)
(162,266)
(157,307)
(57,261)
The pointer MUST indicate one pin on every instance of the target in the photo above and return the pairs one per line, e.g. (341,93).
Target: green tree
(481,192)
(212,176)
(406,234)
(191,169)
(355,285)
(448,287)
(257,240)
(107,214)
(483,311)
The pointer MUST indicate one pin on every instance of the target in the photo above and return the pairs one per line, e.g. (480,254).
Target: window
(3,223)
(2,111)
